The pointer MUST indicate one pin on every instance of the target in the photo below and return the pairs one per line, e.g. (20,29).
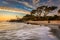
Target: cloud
(34,4)
(23,2)
(30,5)
(35,1)
(26,4)
(4,10)
(49,0)
(14,10)
(49,3)
(4,2)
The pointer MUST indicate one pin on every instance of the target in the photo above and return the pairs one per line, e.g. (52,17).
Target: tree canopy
(43,9)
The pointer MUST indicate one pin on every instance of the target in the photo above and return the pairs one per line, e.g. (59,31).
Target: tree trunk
(45,14)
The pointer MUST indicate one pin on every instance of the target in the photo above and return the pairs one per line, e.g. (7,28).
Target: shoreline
(43,22)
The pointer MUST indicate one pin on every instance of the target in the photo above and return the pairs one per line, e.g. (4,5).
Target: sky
(10,8)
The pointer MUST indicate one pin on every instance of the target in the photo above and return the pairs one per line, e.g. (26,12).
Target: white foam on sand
(28,32)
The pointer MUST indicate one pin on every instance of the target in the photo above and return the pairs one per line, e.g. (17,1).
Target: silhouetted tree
(49,9)
(44,9)
(33,12)
(39,11)
(36,14)
(28,17)
(59,11)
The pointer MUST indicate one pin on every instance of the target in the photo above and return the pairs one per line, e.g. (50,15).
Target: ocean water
(22,31)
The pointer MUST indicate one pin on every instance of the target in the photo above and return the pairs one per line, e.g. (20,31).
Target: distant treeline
(34,18)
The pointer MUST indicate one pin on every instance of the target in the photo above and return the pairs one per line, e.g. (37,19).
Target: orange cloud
(8,17)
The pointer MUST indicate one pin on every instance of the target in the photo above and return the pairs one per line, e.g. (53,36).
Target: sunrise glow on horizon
(11,13)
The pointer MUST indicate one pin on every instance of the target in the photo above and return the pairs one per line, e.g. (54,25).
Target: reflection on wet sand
(22,31)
